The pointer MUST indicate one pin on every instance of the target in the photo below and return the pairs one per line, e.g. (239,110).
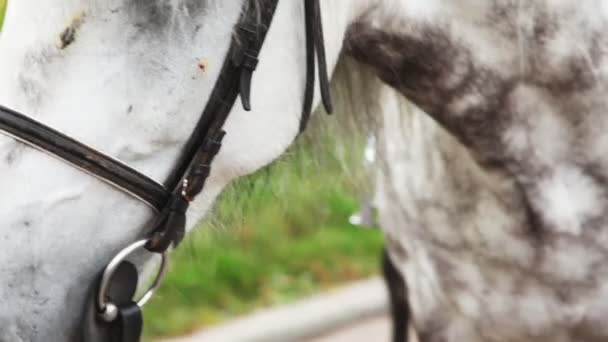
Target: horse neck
(521,88)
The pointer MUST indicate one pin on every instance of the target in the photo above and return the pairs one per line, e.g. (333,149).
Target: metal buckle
(184,192)
(108,311)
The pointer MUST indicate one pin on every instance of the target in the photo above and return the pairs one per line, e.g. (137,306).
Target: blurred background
(2,11)
(277,236)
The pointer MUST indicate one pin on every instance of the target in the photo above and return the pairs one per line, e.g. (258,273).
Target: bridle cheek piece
(112,314)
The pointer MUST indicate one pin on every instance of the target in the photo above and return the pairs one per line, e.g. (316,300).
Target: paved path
(356,310)
(376,329)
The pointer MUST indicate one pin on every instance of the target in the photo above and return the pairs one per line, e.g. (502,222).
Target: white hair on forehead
(181,13)
(183,6)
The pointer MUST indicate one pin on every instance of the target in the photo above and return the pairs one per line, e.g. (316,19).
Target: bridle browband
(112,314)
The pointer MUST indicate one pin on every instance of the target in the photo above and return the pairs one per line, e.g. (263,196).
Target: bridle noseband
(112,314)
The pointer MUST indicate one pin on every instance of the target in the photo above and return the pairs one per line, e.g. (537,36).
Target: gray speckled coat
(495,204)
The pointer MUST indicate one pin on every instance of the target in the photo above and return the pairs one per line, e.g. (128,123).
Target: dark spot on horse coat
(68,36)
(14,154)
(156,15)
(414,66)
(34,69)
(152,15)
(434,72)
(505,18)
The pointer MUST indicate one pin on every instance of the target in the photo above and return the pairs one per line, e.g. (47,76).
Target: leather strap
(130,323)
(235,79)
(315,53)
(194,165)
(95,163)
(127,327)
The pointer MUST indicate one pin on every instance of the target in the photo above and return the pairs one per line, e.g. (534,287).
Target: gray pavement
(356,313)
(371,330)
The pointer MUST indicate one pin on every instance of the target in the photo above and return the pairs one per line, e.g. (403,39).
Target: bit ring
(108,310)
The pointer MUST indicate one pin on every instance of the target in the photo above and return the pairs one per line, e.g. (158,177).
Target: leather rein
(111,313)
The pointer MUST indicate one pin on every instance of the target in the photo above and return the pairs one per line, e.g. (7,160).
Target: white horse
(496,216)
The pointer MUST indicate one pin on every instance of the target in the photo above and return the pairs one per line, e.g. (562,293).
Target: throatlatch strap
(240,59)
(315,53)
(194,165)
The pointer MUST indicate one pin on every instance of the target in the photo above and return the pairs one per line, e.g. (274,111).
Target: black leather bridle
(112,314)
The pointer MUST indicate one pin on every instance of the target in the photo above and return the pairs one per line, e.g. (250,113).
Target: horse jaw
(125,77)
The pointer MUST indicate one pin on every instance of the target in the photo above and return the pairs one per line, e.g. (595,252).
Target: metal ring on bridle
(108,310)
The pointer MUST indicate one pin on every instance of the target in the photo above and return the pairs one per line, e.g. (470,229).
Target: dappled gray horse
(493,204)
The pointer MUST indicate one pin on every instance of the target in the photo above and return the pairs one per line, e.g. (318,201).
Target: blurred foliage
(282,234)
(2,11)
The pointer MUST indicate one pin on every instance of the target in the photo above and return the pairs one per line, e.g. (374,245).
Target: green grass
(284,234)
(2,11)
